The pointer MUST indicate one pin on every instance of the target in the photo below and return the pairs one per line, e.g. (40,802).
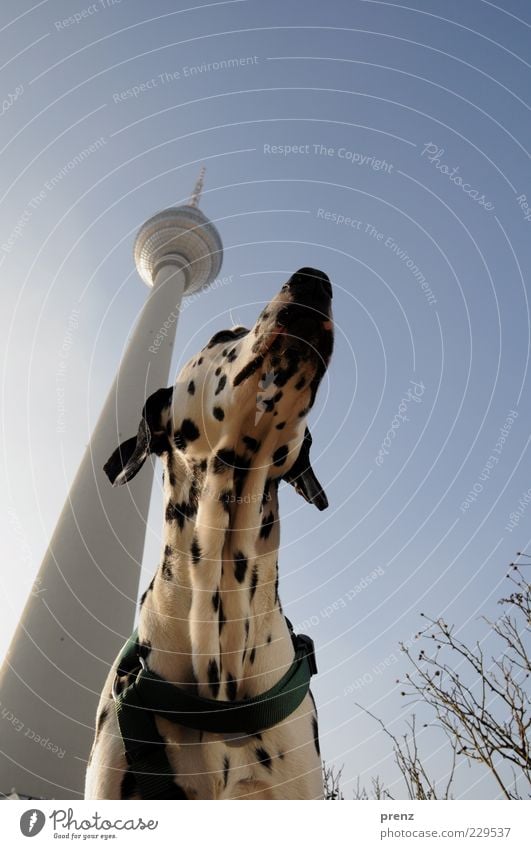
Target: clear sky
(382,143)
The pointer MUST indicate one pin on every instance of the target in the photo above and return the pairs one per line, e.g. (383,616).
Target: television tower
(83,608)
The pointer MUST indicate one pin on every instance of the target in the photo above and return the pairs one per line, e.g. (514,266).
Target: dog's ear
(302,477)
(152,438)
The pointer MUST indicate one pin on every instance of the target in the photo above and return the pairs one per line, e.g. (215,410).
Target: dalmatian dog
(232,427)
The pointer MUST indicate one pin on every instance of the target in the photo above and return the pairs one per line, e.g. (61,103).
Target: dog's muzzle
(307,314)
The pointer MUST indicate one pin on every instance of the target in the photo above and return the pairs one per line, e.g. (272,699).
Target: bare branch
(483,706)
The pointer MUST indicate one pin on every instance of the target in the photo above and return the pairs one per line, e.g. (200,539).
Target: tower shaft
(84,606)
(83,610)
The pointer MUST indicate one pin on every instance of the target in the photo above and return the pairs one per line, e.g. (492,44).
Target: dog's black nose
(308,282)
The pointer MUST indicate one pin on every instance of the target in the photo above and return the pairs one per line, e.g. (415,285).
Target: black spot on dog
(266,403)
(218,413)
(240,566)
(304,412)
(223,459)
(241,464)
(213,676)
(254,581)
(218,371)
(200,360)
(246,628)
(188,432)
(281,756)
(252,443)
(167,573)
(252,655)
(315,730)
(232,687)
(226,768)
(283,375)
(173,513)
(221,384)
(280,425)
(195,551)
(227,336)
(267,493)
(222,619)
(191,387)
(248,370)
(279,457)
(215,601)
(232,355)
(225,498)
(264,757)
(267,525)
(269,638)
(277,396)
(183,510)
(145,594)
(241,467)
(300,383)
(238,483)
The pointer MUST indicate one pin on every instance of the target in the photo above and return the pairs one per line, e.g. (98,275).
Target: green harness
(150,695)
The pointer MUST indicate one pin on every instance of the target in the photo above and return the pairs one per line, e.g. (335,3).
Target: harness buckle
(307,643)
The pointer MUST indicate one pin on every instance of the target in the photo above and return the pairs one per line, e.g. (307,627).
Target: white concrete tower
(73,627)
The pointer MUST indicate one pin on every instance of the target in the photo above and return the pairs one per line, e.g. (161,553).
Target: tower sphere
(181,236)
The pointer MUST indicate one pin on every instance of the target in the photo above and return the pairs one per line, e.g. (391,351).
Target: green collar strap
(150,695)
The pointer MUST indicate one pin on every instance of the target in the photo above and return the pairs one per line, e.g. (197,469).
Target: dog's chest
(214,765)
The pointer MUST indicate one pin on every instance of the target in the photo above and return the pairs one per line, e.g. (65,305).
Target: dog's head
(244,398)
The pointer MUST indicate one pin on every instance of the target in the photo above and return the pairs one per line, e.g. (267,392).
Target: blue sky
(409,121)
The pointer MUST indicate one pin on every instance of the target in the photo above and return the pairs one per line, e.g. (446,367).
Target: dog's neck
(212,614)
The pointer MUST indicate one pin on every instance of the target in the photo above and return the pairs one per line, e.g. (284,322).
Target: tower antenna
(198,188)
